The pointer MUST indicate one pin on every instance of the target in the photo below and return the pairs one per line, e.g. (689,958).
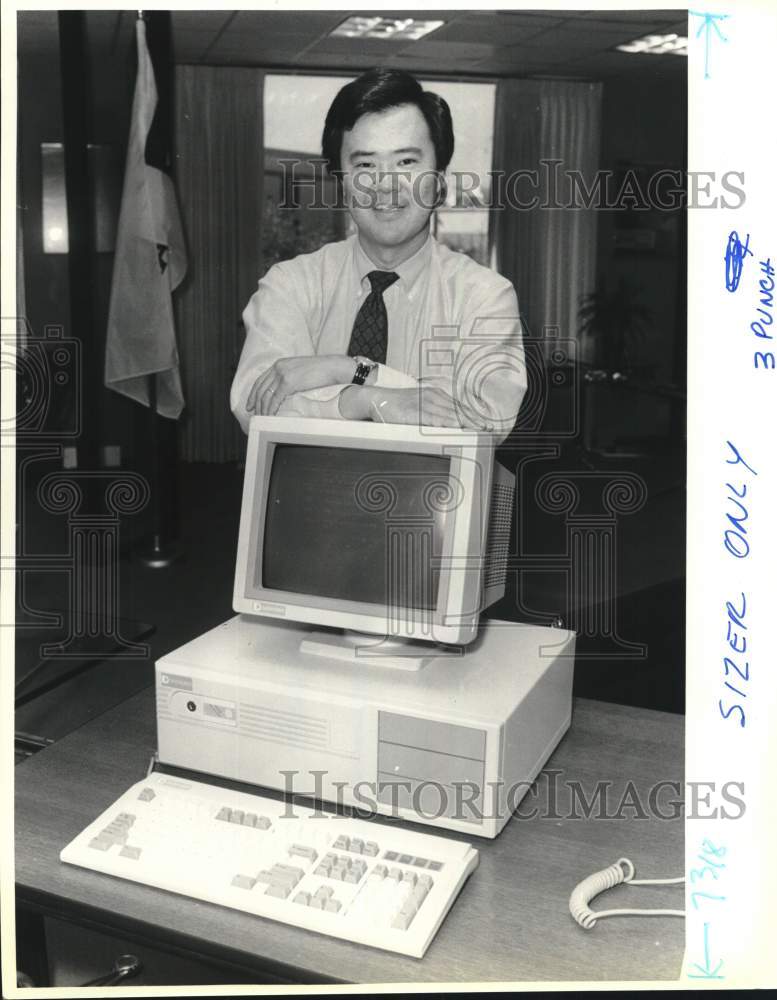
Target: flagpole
(160,553)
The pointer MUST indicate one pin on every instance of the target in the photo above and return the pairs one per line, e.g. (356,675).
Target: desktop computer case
(456,744)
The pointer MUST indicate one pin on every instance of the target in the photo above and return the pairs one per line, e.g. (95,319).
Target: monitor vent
(290,728)
(498,541)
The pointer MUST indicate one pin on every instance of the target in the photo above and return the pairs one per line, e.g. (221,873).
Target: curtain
(545,129)
(219,175)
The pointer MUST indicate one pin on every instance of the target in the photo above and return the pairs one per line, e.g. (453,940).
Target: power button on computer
(192,706)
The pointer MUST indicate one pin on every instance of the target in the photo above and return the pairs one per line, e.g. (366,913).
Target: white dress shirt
(451,323)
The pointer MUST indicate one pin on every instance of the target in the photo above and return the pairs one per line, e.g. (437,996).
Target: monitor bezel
(455,619)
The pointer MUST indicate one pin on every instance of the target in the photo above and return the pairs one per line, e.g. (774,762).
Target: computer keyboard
(374,884)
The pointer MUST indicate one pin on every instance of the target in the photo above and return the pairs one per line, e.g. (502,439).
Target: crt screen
(356,525)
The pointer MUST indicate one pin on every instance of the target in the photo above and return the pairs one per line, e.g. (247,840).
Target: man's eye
(408,161)
(365,165)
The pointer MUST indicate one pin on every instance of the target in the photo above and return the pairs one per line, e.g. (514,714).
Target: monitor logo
(267,608)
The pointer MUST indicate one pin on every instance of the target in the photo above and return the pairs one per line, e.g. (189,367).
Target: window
(295,107)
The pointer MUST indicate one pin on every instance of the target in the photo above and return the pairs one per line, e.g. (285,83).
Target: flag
(150,263)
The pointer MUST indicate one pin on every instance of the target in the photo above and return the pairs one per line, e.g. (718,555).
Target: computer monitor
(396,531)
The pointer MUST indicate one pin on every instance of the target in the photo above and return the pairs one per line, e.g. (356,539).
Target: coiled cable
(621,871)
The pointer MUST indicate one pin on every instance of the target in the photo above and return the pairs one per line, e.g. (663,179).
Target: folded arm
(474,376)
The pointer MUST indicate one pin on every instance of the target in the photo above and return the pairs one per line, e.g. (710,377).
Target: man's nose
(384,180)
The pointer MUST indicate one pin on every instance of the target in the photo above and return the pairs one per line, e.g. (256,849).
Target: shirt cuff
(393,378)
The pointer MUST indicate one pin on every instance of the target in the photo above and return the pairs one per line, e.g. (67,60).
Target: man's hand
(289,375)
(422,405)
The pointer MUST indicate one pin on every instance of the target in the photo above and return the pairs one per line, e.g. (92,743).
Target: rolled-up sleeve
(276,327)
(482,364)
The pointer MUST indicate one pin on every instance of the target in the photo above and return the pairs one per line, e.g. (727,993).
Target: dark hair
(378,90)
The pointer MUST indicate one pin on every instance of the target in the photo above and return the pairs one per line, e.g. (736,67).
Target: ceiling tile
(304,22)
(582,37)
(200,20)
(493,29)
(451,51)
(373,47)
(645,15)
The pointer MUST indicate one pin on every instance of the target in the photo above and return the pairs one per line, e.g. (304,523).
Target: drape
(219,174)
(545,129)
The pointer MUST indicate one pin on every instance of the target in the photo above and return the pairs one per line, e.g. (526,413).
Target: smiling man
(389,324)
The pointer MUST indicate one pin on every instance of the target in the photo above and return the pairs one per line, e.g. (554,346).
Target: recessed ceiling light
(674,45)
(406,29)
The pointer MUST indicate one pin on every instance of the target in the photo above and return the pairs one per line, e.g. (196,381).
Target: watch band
(363,369)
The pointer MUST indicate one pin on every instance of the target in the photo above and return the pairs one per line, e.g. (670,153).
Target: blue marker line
(735,259)
(706,971)
(709,21)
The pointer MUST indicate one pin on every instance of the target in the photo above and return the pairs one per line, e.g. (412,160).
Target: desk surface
(511,921)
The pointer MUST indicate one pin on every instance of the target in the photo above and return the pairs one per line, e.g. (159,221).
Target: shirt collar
(409,271)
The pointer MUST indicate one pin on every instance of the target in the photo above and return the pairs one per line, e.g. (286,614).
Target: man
(389,324)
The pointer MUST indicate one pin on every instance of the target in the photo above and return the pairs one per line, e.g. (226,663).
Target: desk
(511,921)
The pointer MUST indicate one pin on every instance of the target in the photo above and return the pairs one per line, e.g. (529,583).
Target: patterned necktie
(369,337)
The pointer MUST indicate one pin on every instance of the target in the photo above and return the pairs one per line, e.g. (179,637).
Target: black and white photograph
(385,513)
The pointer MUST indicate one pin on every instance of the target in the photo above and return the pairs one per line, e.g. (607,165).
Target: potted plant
(617,322)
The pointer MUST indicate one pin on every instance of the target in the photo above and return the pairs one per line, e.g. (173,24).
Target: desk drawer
(76,955)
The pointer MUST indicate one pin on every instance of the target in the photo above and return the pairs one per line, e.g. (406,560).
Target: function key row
(409,859)
(241,818)
(356,846)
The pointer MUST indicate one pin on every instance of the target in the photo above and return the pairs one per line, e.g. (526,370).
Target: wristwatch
(363,369)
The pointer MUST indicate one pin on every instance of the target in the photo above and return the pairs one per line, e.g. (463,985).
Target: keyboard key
(279,890)
(371,849)
(390,856)
(243,882)
(224,813)
(237,816)
(333,905)
(435,866)
(303,898)
(300,851)
(405,859)
(147,795)
(263,823)
(402,921)
(341,843)
(249,819)
(100,843)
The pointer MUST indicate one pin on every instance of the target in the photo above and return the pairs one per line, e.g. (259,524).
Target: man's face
(389,180)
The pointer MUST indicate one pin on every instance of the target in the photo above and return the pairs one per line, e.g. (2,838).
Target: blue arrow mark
(705,971)
(709,22)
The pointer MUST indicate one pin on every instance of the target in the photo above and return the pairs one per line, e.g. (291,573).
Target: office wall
(110,75)
(40,120)
(644,125)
